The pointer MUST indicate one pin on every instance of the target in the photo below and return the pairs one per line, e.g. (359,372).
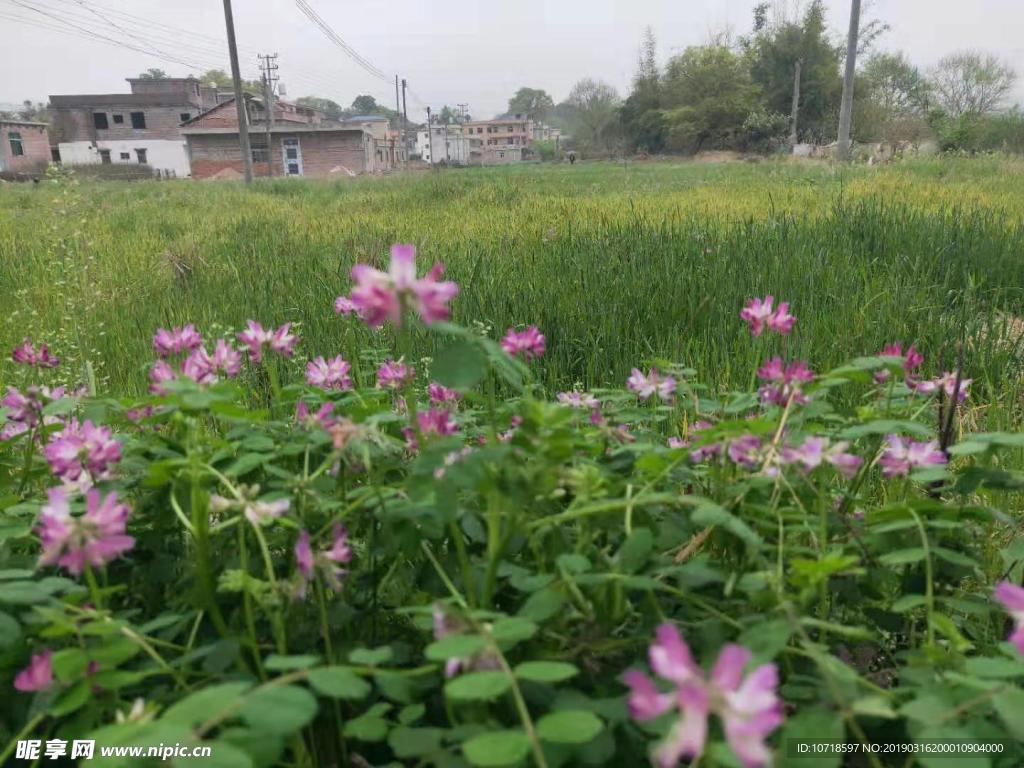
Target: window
(259,149)
(509,129)
(185,117)
(118,119)
(138,119)
(510,140)
(99,120)
(125,156)
(501,154)
(141,154)
(17,148)
(105,156)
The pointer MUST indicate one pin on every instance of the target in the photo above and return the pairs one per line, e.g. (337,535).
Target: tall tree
(846,108)
(641,119)
(153,74)
(535,103)
(594,109)
(448,115)
(972,83)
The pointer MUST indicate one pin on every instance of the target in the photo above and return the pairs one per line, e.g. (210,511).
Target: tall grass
(615,263)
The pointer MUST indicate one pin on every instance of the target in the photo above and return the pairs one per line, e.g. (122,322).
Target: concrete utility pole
(405,124)
(846,109)
(795,111)
(268,65)
(430,138)
(236,76)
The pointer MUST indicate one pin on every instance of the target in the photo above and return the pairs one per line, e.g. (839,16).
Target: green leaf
(477,686)
(226,755)
(811,725)
(908,603)
(372,657)
(69,664)
(414,742)
(886,427)
(706,513)
(10,630)
(73,699)
(635,550)
(279,708)
(994,667)
(903,556)
(1009,705)
(455,647)
(23,593)
(206,704)
(16,573)
(570,726)
(546,671)
(461,365)
(512,630)
(542,605)
(497,748)
(277,663)
(367,728)
(339,683)
(874,706)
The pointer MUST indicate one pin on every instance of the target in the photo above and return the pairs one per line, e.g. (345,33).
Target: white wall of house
(449,145)
(161,154)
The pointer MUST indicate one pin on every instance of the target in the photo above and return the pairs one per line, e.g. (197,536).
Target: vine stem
(929,588)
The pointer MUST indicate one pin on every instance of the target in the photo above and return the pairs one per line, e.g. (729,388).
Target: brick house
(499,141)
(24,147)
(141,127)
(301,143)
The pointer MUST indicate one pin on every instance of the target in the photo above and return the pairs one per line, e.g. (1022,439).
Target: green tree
(221,79)
(592,109)
(972,83)
(153,74)
(642,121)
(365,105)
(773,51)
(707,94)
(447,115)
(332,109)
(535,103)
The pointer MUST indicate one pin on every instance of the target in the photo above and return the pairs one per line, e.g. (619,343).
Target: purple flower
(379,297)
(344,306)
(786,380)
(441,395)
(329,374)
(394,375)
(254,338)
(745,451)
(95,538)
(911,360)
(328,560)
(528,344)
(578,400)
(947,382)
(203,368)
(653,382)
(38,675)
(262,512)
(759,314)
(1012,598)
(702,452)
(322,418)
(26,354)
(815,450)
(160,374)
(304,561)
(749,707)
(184,339)
(435,421)
(82,448)
(902,455)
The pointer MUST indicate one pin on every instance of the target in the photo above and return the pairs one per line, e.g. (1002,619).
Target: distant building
(24,146)
(444,144)
(542,132)
(501,155)
(141,127)
(495,141)
(302,143)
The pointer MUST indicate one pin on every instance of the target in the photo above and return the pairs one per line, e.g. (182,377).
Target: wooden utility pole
(846,109)
(405,124)
(430,139)
(795,111)
(236,76)
(268,64)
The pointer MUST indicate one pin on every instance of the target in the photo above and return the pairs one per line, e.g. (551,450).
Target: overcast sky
(450,51)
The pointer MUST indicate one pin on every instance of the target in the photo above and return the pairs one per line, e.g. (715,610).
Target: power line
(335,38)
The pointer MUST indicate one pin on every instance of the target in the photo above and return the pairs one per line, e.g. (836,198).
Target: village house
(501,140)
(447,144)
(24,147)
(302,142)
(141,127)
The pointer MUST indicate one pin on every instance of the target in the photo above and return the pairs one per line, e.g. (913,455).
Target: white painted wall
(161,154)
(454,149)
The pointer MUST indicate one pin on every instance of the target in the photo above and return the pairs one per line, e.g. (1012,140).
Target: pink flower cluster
(901,455)
(322,418)
(748,707)
(578,400)
(1012,598)
(94,538)
(38,675)
(946,383)
(329,374)
(329,560)
(82,449)
(432,422)
(394,374)
(177,340)
(446,625)
(26,354)
(783,381)
(528,344)
(379,297)
(25,410)
(814,451)
(912,360)
(653,382)
(254,338)
(442,396)
(760,315)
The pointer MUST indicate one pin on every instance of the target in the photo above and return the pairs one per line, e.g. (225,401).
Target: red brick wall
(321,153)
(34,141)
(77,124)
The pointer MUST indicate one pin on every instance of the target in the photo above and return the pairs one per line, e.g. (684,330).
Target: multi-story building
(448,144)
(141,127)
(509,135)
(24,147)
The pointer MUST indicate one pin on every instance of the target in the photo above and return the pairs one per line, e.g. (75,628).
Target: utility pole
(398,112)
(268,66)
(846,108)
(462,111)
(405,124)
(796,103)
(236,76)
(430,138)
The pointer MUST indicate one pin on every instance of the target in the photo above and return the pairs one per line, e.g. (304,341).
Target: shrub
(431,561)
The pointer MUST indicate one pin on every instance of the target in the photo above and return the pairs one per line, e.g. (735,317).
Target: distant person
(572,158)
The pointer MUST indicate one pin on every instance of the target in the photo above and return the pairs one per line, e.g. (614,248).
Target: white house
(444,144)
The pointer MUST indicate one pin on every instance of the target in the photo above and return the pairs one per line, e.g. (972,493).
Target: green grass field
(616,263)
